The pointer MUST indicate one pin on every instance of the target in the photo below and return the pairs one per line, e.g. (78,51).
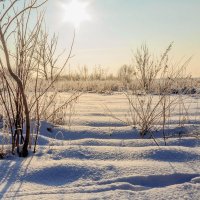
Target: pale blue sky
(119,26)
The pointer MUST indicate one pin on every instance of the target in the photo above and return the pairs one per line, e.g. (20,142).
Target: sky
(116,28)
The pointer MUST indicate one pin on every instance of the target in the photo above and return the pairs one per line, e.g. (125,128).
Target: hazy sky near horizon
(117,27)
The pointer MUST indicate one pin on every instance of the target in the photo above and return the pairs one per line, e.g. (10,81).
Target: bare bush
(149,111)
(25,64)
(150,101)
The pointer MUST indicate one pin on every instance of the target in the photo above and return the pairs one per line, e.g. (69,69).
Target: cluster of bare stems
(27,60)
(150,101)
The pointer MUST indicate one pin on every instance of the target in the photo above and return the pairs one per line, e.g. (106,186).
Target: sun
(76,12)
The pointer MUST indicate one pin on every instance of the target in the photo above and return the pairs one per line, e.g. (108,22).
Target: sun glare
(75,12)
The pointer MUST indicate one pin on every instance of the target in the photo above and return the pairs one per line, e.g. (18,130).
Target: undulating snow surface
(97,157)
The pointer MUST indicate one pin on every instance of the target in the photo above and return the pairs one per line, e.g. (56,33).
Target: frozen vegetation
(92,135)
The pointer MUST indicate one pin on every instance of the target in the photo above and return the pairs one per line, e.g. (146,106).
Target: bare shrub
(28,70)
(149,111)
(150,101)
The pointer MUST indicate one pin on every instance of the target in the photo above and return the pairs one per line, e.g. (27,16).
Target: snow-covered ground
(97,157)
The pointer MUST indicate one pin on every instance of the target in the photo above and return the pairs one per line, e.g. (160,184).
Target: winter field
(94,156)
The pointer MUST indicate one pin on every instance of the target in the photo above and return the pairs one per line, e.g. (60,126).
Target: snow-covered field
(97,157)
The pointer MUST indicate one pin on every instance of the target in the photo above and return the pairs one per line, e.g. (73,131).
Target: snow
(98,157)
